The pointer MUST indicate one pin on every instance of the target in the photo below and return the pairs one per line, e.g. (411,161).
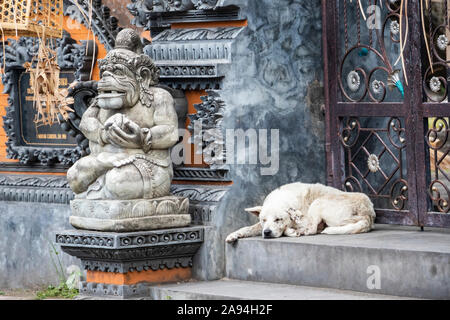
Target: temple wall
(274,82)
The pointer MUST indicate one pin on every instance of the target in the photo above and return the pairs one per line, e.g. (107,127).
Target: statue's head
(126,74)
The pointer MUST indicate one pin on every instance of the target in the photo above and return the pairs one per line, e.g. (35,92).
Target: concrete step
(408,263)
(227,289)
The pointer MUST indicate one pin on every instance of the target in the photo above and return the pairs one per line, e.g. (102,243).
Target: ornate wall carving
(71,56)
(193,59)
(112,290)
(209,117)
(104,26)
(41,189)
(203,200)
(137,251)
(159,15)
(146,11)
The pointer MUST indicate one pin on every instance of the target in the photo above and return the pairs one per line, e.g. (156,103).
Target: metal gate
(386,68)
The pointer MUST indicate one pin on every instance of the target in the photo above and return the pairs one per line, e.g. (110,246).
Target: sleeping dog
(298,209)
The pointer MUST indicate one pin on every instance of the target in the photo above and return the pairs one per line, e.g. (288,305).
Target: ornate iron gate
(386,69)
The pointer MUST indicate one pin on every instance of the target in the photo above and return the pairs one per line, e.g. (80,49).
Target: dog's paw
(232,238)
(289,232)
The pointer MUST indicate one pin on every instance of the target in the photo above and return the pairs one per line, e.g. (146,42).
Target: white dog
(298,209)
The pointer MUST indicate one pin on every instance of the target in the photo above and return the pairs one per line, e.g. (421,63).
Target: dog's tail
(362,221)
(366,210)
(362,225)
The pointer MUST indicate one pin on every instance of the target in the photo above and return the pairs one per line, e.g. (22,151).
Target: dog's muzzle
(267,233)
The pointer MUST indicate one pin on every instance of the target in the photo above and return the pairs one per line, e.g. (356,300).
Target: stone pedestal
(130,215)
(122,265)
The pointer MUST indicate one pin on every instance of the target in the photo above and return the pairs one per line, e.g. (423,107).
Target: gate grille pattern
(374,158)
(386,74)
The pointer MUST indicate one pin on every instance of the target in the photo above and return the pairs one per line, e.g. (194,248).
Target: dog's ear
(294,214)
(255,210)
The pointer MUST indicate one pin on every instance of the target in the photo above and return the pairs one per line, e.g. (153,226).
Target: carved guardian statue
(123,185)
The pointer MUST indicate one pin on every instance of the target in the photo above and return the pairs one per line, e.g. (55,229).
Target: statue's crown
(128,51)
(129,39)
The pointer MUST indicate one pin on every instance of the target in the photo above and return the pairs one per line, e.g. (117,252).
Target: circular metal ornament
(373,163)
(395,27)
(353,80)
(399,194)
(376,86)
(442,42)
(435,84)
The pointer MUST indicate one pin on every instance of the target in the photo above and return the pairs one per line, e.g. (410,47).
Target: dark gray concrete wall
(276,59)
(25,232)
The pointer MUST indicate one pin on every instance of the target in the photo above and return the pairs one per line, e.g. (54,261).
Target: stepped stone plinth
(123,265)
(130,215)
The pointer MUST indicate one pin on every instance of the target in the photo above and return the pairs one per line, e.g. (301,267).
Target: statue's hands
(127,136)
(146,139)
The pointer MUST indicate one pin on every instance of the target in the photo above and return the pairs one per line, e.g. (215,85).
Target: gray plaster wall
(25,252)
(274,82)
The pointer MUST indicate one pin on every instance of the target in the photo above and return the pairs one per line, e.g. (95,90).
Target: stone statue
(131,126)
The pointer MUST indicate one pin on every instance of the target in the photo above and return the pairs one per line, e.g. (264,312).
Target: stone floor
(228,289)
(410,262)
(23,294)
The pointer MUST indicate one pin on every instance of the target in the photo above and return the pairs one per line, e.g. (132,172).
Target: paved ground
(17,294)
(21,294)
